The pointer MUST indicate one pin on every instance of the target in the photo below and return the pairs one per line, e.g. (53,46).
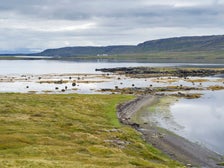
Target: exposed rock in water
(157,72)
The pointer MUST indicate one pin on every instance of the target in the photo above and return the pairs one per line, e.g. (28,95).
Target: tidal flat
(139,81)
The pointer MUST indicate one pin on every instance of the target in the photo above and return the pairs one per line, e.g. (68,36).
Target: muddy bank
(126,110)
(178,148)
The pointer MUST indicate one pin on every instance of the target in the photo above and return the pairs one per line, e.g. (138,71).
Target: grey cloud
(114,21)
(164,16)
(103,10)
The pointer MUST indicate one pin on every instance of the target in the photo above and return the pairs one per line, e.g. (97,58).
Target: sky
(35,25)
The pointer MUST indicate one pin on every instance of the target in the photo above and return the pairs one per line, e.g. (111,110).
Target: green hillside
(177,44)
(195,43)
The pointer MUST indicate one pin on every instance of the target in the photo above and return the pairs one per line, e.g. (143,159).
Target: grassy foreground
(70,131)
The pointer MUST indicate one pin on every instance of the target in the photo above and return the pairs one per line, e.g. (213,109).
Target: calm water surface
(202,119)
(11,67)
(8,67)
(199,120)
(18,68)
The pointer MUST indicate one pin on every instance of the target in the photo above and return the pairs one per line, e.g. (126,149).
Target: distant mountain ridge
(91,50)
(176,44)
(191,43)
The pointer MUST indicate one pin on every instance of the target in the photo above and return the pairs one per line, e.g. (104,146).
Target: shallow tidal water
(22,76)
(199,120)
(202,119)
(21,67)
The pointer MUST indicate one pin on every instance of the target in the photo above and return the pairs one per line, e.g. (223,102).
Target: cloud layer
(41,24)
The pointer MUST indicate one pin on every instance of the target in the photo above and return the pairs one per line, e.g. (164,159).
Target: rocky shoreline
(178,148)
(139,72)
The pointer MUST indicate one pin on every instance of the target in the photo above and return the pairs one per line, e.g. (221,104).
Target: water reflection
(89,83)
(56,66)
(202,119)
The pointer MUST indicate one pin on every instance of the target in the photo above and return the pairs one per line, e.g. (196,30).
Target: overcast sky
(40,24)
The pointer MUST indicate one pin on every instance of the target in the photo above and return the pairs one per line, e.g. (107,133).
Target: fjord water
(8,67)
(61,70)
(198,120)
(202,119)
(23,67)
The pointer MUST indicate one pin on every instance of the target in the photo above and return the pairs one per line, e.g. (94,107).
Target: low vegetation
(221,164)
(71,131)
(215,87)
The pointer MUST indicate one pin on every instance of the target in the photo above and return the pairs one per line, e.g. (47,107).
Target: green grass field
(70,131)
